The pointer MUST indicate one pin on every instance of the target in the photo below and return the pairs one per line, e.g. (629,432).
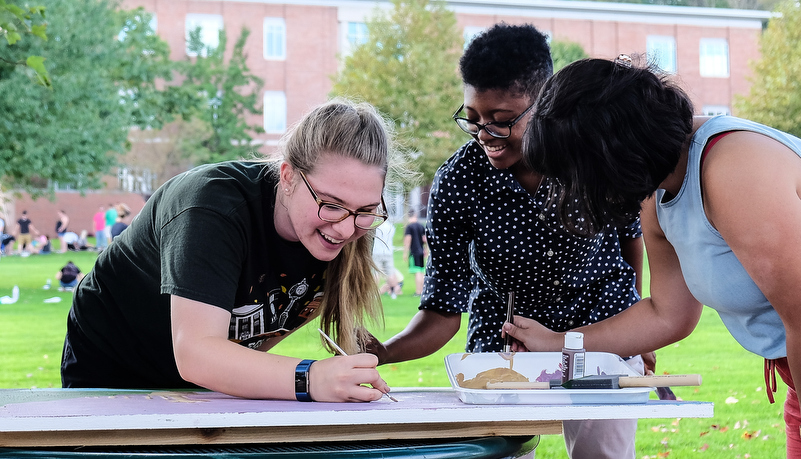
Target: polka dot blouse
(488,236)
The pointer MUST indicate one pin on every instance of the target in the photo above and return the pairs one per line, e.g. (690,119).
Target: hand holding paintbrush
(510,317)
(342,352)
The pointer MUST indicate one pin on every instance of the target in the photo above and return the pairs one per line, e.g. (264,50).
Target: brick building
(295,44)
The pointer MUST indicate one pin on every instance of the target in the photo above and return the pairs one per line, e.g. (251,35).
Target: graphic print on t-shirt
(285,310)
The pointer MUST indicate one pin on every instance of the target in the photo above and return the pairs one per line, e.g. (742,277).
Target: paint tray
(542,366)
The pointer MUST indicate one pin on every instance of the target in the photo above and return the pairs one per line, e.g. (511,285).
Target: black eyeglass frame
(480,126)
(379,218)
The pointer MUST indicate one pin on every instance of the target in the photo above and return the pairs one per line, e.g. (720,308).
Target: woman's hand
(530,335)
(372,345)
(346,379)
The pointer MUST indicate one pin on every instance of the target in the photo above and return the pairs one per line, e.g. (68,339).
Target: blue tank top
(712,272)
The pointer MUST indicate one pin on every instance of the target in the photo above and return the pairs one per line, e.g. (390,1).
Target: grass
(745,425)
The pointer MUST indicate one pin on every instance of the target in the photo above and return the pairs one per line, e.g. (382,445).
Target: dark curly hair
(507,57)
(610,133)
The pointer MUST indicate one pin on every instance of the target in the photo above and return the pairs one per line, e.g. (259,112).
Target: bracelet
(302,381)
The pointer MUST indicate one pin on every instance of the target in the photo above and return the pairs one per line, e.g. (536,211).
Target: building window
(662,52)
(274,112)
(714,110)
(471,32)
(210,26)
(274,39)
(357,33)
(714,54)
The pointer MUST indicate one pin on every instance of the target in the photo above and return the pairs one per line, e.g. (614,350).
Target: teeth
(331,240)
(493,148)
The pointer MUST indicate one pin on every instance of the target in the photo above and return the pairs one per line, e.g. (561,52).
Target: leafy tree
(224,94)
(408,69)
(565,52)
(775,95)
(16,21)
(73,133)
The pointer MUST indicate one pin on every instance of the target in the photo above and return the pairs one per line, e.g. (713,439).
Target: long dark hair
(609,133)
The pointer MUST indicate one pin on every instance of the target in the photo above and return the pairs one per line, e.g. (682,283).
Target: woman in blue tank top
(621,139)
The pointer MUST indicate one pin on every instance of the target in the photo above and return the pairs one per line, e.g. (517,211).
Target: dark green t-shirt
(206,235)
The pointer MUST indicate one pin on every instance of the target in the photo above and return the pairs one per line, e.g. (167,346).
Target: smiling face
(336,179)
(498,106)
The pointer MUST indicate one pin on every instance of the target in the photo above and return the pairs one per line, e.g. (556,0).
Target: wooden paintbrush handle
(660,380)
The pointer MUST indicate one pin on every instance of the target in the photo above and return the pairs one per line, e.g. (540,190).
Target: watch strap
(302,381)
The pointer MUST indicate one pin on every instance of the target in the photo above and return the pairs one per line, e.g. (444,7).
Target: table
(75,417)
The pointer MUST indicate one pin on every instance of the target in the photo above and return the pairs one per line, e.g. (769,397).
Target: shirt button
(558,299)
(556,282)
(570,322)
(549,253)
(541,216)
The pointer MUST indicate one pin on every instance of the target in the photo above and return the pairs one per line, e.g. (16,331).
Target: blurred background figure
(99,227)
(23,235)
(123,211)
(415,249)
(383,252)
(68,277)
(61,228)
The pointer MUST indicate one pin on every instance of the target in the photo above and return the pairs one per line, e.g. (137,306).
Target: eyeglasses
(334,213)
(497,130)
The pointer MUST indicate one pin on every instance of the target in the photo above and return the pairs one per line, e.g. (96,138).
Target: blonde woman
(227,259)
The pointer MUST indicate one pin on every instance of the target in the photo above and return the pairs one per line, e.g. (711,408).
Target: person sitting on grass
(68,277)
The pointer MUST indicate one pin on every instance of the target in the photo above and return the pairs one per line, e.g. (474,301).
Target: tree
(72,133)
(408,69)
(775,95)
(225,93)
(16,21)
(565,52)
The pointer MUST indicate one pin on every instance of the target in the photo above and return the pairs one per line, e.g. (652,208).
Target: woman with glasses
(720,206)
(491,232)
(227,259)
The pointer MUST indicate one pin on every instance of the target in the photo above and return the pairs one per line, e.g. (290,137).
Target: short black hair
(508,57)
(609,133)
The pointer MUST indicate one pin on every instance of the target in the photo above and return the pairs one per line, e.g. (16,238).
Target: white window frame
(210,27)
(714,110)
(274,103)
(274,43)
(661,49)
(714,58)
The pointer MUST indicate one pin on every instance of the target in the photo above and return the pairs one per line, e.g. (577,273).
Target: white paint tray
(542,366)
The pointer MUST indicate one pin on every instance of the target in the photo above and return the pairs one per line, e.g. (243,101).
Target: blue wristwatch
(302,381)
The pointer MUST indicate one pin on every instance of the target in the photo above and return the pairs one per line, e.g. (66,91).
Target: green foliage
(408,69)
(15,21)
(565,52)
(223,93)
(101,87)
(775,95)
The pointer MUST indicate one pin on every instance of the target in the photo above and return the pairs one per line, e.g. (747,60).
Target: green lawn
(745,424)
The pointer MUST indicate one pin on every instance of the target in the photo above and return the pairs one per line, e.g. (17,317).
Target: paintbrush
(342,352)
(510,317)
(604,382)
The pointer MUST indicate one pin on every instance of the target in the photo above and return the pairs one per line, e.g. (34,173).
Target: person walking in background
(22,232)
(383,257)
(68,277)
(62,226)
(111,219)
(99,227)
(415,249)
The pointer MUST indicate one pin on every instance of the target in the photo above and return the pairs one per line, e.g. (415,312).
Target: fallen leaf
(663,454)
(704,433)
(704,448)
(731,401)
